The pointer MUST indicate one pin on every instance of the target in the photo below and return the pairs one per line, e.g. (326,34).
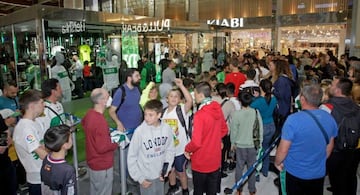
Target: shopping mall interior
(33,31)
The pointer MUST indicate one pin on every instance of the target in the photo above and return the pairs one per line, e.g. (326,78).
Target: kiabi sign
(232,22)
(155,26)
(73,27)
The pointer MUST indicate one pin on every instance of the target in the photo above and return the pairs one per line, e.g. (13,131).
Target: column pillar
(355,30)
(159,6)
(193,10)
(76,4)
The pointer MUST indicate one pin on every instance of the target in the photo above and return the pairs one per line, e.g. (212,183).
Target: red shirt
(87,71)
(237,78)
(99,149)
(209,128)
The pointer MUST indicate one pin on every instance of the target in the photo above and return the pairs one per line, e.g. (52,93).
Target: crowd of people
(219,120)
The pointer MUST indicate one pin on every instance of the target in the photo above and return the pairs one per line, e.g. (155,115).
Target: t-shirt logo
(30,139)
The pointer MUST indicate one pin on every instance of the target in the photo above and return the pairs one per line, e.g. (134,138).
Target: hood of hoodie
(215,109)
(344,105)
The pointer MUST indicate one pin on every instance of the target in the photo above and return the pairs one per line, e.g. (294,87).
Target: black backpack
(180,115)
(348,132)
(123,95)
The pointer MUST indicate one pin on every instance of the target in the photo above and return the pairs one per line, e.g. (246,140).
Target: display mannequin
(59,72)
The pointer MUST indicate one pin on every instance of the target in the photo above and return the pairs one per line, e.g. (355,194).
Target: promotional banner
(130,48)
(157,60)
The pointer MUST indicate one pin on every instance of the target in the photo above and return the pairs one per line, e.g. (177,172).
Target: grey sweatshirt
(149,149)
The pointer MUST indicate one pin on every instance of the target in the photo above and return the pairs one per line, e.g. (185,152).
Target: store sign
(155,26)
(232,22)
(73,27)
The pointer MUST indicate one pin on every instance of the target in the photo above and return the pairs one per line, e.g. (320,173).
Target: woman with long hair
(283,85)
(266,104)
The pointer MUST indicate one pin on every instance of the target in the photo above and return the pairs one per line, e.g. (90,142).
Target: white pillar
(193,10)
(355,30)
(76,4)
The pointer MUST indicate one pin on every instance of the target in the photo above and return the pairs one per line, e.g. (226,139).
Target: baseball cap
(6,113)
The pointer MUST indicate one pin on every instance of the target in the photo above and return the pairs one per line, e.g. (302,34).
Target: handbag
(256,131)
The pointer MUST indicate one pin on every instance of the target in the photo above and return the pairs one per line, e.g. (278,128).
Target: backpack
(348,132)
(180,115)
(123,95)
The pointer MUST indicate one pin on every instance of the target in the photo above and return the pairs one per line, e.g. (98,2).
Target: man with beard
(126,112)
(9,98)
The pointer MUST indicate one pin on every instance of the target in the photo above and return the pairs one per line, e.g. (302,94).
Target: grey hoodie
(149,149)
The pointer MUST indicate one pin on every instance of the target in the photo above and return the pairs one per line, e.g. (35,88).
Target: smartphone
(164,169)
(3,138)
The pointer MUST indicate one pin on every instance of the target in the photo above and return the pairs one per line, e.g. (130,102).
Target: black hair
(213,78)
(250,74)
(154,105)
(245,98)
(221,90)
(345,85)
(212,69)
(204,88)
(130,71)
(47,86)
(55,137)
(188,82)
(230,88)
(266,86)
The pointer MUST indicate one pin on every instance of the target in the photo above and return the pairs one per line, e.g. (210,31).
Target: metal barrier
(252,168)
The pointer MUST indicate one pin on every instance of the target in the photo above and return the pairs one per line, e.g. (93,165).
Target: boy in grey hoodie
(150,149)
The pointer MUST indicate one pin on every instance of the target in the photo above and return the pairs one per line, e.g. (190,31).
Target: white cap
(6,113)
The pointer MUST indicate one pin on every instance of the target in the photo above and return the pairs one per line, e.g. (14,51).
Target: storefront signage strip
(155,26)
(232,22)
(73,27)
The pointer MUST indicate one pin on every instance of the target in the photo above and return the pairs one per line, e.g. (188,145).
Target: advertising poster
(130,48)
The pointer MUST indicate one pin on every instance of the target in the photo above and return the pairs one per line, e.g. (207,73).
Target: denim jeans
(269,130)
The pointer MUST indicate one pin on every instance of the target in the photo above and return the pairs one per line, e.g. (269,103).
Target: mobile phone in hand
(164,169)
(3,138)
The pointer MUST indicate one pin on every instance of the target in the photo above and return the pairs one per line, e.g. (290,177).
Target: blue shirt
(306,158)
(266,110)
(12,104)
(130,113)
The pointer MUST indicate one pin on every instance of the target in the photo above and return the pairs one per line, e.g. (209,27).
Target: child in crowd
(171,117)
(241,136)
(230,90)
(149,93)
(151,151)
(28,138)
(57,176)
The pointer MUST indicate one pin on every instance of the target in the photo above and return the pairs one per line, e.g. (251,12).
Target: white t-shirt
(51,119)
(28,135)
(180,138)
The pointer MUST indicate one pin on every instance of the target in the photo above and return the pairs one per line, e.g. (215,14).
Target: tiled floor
(264,187)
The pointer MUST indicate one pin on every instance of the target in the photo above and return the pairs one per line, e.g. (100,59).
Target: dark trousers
(342,167)
(297,186)
(205,182)
(34,189)
(8,184)
(225,150)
